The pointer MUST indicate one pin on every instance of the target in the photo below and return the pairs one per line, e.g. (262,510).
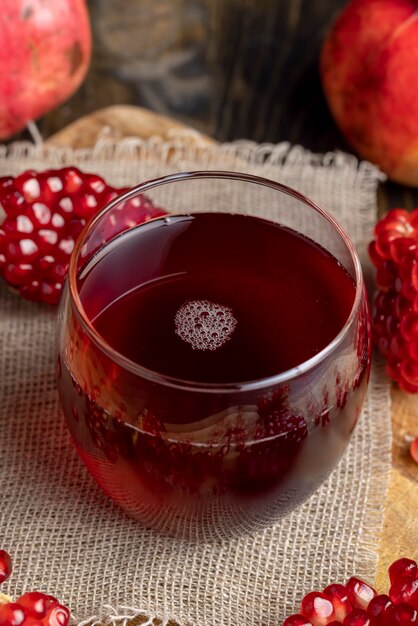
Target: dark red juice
(211,299)
(280,298)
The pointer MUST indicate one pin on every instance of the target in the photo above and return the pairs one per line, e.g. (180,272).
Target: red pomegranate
(369,67)
(45,48)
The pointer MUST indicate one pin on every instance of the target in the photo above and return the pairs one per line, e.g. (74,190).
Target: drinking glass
(186,457)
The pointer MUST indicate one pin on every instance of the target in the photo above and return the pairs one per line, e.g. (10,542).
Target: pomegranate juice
(187,303)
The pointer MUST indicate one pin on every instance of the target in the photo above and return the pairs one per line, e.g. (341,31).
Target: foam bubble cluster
(204,325)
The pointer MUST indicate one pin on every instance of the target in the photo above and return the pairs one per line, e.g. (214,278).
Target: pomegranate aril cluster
(43,215)
(394,252)
(32,608)
(357,604)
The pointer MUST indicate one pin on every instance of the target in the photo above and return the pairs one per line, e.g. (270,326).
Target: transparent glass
(187,457)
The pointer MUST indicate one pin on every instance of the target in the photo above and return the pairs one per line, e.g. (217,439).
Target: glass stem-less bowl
(197,457)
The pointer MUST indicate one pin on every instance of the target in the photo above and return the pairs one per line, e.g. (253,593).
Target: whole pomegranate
(45,48)
(369,69)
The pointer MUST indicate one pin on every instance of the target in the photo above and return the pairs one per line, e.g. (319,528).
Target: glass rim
(190,385)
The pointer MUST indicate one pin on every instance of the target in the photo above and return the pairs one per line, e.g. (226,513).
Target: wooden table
(400,533)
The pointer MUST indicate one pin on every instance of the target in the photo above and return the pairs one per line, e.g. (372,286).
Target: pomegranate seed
(40,214)
(50,294)
(66,205)
(377,609)
(57,221)
(414,449)
(357,617)
(318,609)
(58,616)
(58,273)
(54,184)
(401,615)
(398,347)
(17,226)
(360,593)
(46,262)
(297,620)
(11,614)
(72,179)
(75,227)
(402,568)
(18,275)
(31,291)
(409,326)
(386,275)
(5,182)
(13,201)
(95,183)
(340,601)
(24,249)
(47,238)
(66,246)
(401,247)
(36,604)
(28,185)
(5,566)
(405,590)
(397,221)
(412,350)
(374,254)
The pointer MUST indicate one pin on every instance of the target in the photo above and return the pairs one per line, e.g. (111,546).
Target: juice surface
(216,297)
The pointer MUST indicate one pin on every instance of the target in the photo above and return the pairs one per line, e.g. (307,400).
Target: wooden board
(400,533)
(119,121)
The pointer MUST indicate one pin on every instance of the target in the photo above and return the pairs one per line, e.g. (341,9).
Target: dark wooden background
(231,68)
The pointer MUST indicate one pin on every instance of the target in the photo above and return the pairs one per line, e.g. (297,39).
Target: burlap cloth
(68,539)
